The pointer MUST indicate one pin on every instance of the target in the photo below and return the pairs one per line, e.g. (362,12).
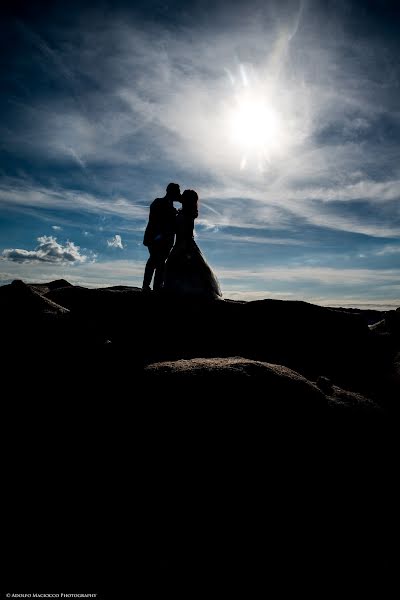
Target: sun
(254,125)
(256,128)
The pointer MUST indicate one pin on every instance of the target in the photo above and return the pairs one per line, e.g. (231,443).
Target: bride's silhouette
(187,271)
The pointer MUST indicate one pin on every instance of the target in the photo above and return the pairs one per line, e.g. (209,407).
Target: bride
(187,271)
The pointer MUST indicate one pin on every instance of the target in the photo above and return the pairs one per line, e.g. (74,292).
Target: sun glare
(256,129)
(254,125)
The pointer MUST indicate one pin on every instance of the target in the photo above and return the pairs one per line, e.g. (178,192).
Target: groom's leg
(159,275)
(149,271)
(162,255)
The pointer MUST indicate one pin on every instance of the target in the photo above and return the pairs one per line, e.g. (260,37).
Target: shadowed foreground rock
(275,385)
(27,303)
(265,470)
(117,331)
(223,439)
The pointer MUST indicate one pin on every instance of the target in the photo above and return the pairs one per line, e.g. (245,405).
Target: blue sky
(284,116)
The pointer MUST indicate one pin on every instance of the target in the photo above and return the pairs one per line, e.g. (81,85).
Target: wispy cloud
(48,54)
(13,193)
(388,250)
(324,275)
(128,118)
(221,237)
(241,208)
(363,190)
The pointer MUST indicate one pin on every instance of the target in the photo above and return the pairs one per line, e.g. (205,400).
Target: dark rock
(369,316)
(324,384)
(19,298)
(215,406)
(143,329)
(58,283)
(277,386)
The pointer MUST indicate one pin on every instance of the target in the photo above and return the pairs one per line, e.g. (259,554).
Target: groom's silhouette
(159,236)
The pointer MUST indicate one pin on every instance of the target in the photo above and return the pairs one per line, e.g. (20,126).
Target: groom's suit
(159,238)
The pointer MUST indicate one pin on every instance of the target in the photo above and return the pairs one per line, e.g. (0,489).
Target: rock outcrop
(310,354)
(277,387)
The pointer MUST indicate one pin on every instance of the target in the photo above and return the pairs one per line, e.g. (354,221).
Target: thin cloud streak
(258,212)
(39,197)
(324,275)
(223,237)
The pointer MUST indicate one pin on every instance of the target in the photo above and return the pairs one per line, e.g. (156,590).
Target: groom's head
(173,191)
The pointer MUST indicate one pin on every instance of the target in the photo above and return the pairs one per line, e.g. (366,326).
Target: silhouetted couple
(178,268)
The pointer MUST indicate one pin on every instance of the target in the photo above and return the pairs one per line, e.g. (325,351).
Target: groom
(159,236)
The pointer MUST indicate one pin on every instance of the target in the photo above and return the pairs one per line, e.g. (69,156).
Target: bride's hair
(189,201)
